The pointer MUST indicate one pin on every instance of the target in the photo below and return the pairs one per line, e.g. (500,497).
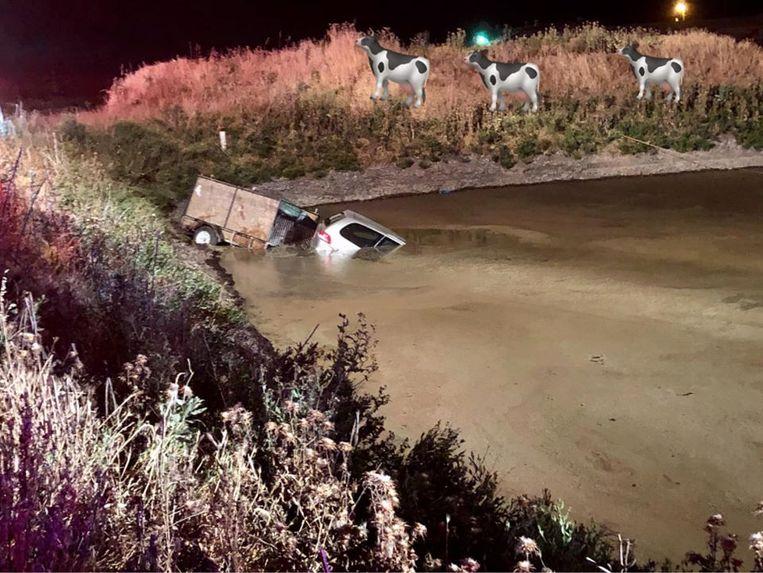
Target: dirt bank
(480,172)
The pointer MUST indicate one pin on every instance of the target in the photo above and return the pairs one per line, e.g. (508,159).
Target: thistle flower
(231,415)
(523,567)
(379,479)
(327,444)
(527,546)
(316,416)
(716,520)
(756,542)
(470,565)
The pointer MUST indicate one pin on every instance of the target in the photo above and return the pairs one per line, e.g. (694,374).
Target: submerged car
(349,232)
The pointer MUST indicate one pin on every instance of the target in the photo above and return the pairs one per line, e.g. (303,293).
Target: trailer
(219,212)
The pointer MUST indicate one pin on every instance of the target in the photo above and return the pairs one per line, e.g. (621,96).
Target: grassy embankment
(305,109)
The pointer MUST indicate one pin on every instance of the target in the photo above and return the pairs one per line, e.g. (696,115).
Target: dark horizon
(74,48)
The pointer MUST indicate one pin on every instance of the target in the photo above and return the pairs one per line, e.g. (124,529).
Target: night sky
(72,48)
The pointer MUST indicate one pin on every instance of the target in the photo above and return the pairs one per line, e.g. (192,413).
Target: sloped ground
(479,172)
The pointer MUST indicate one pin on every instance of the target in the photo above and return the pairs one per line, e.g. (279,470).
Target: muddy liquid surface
(603,339)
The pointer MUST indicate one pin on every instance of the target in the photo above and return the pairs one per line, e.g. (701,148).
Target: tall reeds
(577,62)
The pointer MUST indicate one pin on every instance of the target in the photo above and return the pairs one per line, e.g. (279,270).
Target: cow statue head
(369,44)
(630,51)
(477,59)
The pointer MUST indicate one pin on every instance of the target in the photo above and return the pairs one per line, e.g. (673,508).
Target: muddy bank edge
(458,173)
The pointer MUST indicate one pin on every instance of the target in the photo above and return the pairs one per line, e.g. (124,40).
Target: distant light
(481,39)
(681,8)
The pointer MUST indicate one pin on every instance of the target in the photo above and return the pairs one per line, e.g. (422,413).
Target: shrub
(457,499)
(750,134)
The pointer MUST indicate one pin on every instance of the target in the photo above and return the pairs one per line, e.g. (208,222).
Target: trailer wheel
(205,235)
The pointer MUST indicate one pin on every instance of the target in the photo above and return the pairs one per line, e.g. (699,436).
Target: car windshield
(387,244)
(360,235)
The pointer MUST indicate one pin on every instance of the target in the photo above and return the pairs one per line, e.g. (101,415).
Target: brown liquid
(603,339)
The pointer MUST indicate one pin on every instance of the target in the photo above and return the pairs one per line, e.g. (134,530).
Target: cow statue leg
(379,88)
(417,85)
(641,87)
(493,99)
(532,98)
(411,91)
(648,91)
(502,101)
(675,87)
(385,90)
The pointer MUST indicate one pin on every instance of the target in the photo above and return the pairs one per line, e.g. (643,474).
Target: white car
(348,232)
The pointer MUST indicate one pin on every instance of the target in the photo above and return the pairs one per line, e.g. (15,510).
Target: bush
(750,134)
(457,499)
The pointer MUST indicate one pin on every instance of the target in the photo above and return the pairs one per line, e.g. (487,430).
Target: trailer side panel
(210,201)
(252,215)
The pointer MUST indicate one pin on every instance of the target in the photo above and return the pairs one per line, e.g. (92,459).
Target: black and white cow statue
(501,78)
(389,66)
(651,71)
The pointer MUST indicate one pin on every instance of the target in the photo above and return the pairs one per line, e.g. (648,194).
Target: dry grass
(305,109)
(123,487)
(578,62)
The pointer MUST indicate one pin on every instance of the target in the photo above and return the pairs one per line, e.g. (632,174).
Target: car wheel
(205,235)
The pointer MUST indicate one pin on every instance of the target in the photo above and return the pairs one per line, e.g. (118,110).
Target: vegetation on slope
(304,110)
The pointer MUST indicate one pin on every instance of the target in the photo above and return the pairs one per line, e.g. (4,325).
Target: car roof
(350,216)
